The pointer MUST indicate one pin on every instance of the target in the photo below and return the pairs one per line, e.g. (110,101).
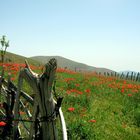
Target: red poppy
(93,121)
(129,95)
(12,78)
(71,109)
(74,91)
(68,91)
(77,85)
(87,90)
(122,90)
(2,123)
(124,82)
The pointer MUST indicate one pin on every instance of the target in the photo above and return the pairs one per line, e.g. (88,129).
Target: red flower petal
(129,95)
(2,123)
(71,109)
(93,121)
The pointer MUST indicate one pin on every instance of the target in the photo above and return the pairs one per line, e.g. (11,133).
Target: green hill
(70,64)
(61,61)
(11,57)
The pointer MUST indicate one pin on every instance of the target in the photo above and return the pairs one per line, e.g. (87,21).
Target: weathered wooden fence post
(127,75)
(46,101)
(137,77)
(132,75)
(44,106)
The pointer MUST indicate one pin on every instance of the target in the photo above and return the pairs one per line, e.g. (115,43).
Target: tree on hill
(4,46)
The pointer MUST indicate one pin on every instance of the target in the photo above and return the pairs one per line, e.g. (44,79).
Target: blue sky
(101,33)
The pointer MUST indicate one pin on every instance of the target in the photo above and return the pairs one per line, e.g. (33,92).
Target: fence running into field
(133,76)
(127,76)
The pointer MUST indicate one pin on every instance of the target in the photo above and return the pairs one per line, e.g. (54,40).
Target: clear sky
(101,33)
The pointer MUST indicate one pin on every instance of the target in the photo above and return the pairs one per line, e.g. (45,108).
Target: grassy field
(96,107)
(100,108)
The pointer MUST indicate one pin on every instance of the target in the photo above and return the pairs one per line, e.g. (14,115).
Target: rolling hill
(70,64)
(62,62)
(14,58)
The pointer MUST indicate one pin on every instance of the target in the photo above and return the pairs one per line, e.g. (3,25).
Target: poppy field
(95,107)
(99,107)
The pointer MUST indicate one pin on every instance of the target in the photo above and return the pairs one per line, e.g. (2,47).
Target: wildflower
(79,92)
(9,73)
(77,85)
(87,90)
(69,79)
(93,121)
(68,91)
(129,86)
(71,109)
(74,91)
(134,90)
(129,95)
(2,123)
(61,70)
(12,78)
(122,90)
(124,82)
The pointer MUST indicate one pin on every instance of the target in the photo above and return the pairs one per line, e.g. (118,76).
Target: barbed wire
(50,118)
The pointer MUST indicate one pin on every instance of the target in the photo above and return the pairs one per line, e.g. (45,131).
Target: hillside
(70,64)
(11,57)
(62,62)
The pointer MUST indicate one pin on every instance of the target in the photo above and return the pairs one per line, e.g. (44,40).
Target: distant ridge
(70,64)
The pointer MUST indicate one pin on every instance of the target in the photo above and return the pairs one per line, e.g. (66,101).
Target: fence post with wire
(44,114)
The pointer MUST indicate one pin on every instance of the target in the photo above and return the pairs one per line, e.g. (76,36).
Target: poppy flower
(77,85)
(129,95)
(122,90)
(68,91)
(93,121)
(87,90)
(12,78)
(2,124)
(71,109)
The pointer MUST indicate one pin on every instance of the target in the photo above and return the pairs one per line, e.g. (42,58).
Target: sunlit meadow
(95,107)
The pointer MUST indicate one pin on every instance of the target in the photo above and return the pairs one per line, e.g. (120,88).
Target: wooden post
(44,105)
(127,75)
(137,76)
(132,76)
(46,100)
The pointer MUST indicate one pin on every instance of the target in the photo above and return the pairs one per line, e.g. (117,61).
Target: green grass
(101,110)
(117,115)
